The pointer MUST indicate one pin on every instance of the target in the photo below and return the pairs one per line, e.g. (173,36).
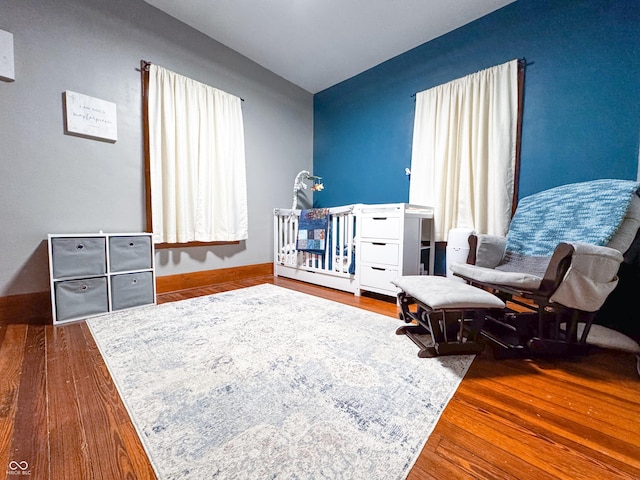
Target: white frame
(90,117)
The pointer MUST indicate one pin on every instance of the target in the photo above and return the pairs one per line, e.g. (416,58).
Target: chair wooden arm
(473,249)
(556,270)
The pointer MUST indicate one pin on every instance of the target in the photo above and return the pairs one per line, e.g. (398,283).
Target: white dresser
(92,274)
(391,242)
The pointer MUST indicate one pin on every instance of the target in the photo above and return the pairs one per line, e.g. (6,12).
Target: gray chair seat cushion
(521,281)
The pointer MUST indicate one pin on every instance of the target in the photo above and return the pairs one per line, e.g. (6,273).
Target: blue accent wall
(582,99)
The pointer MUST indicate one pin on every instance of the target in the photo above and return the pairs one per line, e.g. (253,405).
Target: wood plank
(173,283)
(68,453)
(209,290)
(574,413)
(534,445)
(11,359)
(562,402)
(612,373)
(543,381)
(103,413)
(434,467)
(472,463)
(30,444)
(3,331)
(133,454)
(458,446)
(618,448)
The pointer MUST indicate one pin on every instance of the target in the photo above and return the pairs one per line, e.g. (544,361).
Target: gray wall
(55,183)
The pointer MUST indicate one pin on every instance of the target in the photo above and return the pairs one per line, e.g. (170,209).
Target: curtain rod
(144,67)
(522,63)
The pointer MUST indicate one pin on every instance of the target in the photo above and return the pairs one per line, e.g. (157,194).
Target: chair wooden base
(452,331)
(439,348)
(544,331)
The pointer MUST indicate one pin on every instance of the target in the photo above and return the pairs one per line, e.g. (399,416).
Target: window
(194,146)
(466,149)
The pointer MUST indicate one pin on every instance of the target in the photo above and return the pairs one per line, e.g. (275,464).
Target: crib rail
(335,268)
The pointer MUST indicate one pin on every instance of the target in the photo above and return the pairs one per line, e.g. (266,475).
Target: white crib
(330,270)
(367,247)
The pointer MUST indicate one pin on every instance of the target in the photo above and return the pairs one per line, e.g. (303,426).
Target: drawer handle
(131,244)
(80,246)
(84,287)
(380,244)
(379,218)
(135,281)
(378,268)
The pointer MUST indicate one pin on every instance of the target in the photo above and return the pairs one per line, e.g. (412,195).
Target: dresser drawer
(384,253)
(74,257)
(81,298)
(131,290)
(377,277)
(129,253)
(381,227)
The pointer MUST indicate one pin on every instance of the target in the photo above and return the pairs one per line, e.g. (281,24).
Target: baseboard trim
(35,308)
(184,281)
(26,309)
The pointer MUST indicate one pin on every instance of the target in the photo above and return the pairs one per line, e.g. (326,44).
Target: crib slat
(283,239)
(339,264)
(278,239)
(290,237)
(335,247)
(344,245)
(351,233)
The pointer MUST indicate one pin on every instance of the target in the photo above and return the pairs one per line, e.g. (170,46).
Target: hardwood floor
(61,416)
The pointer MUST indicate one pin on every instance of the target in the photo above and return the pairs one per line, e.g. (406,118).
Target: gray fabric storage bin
(81,298)
(131,290)
(129,253)
(73,257)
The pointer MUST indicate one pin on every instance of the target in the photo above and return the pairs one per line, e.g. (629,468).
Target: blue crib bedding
(312,230)
(314,236)
(345,254)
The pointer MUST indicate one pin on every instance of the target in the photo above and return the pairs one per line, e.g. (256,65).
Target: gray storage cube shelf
(93,274)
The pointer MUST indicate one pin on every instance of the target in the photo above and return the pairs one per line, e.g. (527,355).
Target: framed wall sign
(7,67)
(90,117)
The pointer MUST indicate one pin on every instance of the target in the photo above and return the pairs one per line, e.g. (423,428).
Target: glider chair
(558,264)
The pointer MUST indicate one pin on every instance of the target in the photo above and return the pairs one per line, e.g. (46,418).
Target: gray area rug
(266,382)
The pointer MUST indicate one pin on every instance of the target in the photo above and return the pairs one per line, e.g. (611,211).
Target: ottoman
(450,311)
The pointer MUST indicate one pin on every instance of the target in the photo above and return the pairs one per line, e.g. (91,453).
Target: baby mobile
(299,184)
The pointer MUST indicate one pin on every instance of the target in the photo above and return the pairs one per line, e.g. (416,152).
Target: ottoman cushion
(441,293)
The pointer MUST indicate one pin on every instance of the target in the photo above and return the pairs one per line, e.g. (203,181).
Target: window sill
(161,246)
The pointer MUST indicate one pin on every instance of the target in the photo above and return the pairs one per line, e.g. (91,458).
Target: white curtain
(196,143)
(464,150)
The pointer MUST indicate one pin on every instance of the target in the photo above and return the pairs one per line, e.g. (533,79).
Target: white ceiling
(318,43)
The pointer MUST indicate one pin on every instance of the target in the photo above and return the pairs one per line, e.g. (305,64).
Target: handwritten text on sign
(91,117)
